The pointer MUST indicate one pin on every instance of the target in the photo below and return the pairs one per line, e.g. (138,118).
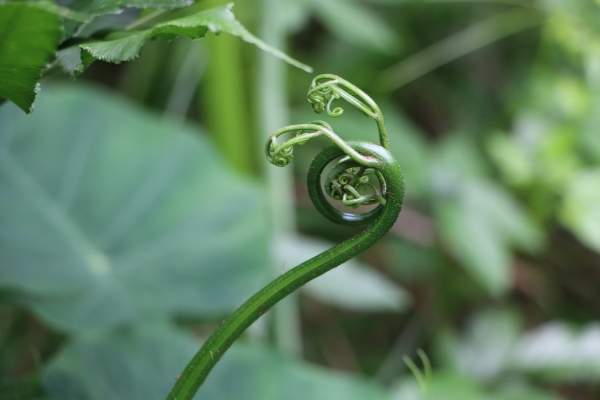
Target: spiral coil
(356,179)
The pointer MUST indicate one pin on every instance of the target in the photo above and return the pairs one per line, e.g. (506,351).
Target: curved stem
(356,157)
(216,345)
(281,155)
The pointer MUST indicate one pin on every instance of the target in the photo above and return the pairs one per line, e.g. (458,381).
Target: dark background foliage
(136,210)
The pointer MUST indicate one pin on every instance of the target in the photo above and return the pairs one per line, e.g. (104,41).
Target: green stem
(381,219)
(273,112)
(145,19)
(224,100)
(458,45)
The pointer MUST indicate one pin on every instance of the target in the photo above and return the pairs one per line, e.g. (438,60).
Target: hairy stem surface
(353,159)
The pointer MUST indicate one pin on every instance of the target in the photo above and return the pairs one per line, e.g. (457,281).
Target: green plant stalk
(273,112)
(184,87)
(138,79)
(458,45)
(224,100)
(355,154)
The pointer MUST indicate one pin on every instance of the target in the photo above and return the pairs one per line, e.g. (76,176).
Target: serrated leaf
(30,33)
(123,46)
(108,22)
(144,364)
(97,7)
(352,285)
(223,20)
(118,50)
(85,17)
(73,60)
(109,213)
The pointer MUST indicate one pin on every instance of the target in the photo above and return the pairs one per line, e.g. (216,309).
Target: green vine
(356,165)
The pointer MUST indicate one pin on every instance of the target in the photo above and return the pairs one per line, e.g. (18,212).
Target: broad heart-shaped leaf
(108,213)
(29,34)
(143,364)
(351,285)
(125,46)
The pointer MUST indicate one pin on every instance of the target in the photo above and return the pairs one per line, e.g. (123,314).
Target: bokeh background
(137,210)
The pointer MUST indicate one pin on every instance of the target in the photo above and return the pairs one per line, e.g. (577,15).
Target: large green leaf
(144,364)
(87,16)
(96,7)
(108,213)
(29,34)
(125,46)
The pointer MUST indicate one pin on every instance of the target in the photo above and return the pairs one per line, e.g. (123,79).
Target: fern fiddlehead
(356,165)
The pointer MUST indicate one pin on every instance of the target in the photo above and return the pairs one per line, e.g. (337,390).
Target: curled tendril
(355,178)
(352,186)
(282,155)
(363,173)
(325,89)
(322,98)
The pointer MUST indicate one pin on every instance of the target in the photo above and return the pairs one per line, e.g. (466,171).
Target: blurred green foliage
(125,236)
